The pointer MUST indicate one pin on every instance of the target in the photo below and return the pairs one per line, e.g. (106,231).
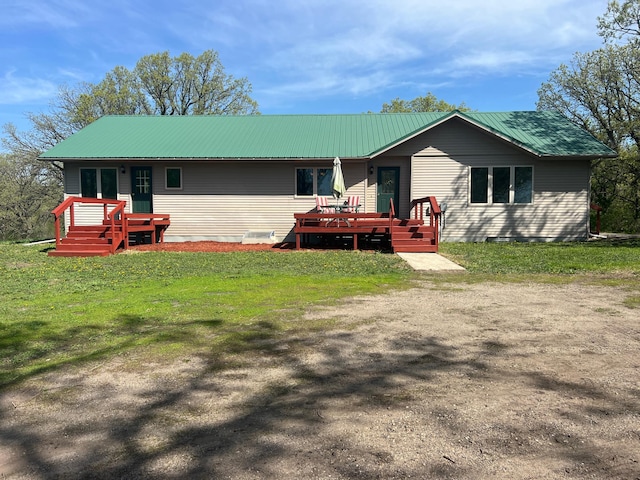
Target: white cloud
(24,90)
(297,49)
(490,61)
(319,46)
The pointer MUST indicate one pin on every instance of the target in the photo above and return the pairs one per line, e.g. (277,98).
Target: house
(508,175)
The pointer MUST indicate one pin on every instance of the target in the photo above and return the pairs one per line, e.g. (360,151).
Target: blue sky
(302,56)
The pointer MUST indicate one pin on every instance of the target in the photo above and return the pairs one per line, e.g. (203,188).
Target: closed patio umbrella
(337,180)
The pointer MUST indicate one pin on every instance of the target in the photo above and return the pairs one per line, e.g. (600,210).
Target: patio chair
(322,205)
(352,204)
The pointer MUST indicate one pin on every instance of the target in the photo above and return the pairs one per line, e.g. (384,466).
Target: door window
(143,181)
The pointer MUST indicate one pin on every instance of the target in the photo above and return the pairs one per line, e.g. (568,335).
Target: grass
(613,263)
(57,311)
(61,311)
(598,257)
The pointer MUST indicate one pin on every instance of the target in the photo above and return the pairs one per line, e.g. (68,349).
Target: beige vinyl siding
(222,200)
(560,205)
(554,215)
(453,138)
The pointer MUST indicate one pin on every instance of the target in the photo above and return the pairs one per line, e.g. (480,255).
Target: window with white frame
(312,181)
(501,185)
(173,178)
(99,182)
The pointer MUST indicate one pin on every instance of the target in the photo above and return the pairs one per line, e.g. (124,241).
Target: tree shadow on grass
(38,350)
(615,242)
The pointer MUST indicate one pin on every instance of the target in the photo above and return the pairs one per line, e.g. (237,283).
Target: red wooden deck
(116,230)
(404,235)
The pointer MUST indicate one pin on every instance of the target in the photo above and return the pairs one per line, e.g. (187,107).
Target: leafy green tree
(158,85)
(620,21)
(600,92)
(428,103)
(27,195)
(117,94)
(162,85)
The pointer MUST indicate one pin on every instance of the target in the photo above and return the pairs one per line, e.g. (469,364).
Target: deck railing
(433,209)
(112,215)
(392,214)
(356,223)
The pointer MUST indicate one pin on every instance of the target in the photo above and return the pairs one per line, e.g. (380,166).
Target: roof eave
(448,117)
(576,157)
(501,136)
(530,150)
(160,159)
(406,138)
(481,126)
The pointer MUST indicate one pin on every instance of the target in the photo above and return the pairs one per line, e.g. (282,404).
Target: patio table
(339,209)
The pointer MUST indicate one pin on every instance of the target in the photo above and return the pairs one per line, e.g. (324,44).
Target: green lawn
(613,263)
(600,257)
(56,311)
(59,311)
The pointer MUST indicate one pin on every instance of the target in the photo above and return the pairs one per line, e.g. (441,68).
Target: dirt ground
(481,381)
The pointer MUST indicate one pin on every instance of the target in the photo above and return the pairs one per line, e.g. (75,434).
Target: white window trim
(98,179)
(512,192)
(166,169)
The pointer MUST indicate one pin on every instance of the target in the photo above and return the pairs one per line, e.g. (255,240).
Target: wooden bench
(152,223)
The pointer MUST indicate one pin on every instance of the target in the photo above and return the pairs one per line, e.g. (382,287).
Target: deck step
(78,253)
(70,247)
(85,241)
(411,236)
(416,248)
(89,229)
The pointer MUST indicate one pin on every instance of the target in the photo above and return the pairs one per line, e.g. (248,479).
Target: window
(99,182)
(501,185)
(109,182)
(313,181)
(523,185)
(324,182)
(173,178)
(89,182)
(479,185)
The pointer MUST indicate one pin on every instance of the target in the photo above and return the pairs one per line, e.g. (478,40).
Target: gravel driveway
(518,381)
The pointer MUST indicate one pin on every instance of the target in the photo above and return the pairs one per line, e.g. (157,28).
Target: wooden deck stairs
(84,241)
(116,231)
(413,236)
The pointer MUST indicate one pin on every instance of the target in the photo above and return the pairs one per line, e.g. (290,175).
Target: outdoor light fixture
(122,169)
(371,170)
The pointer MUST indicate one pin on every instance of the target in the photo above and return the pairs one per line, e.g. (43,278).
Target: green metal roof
(308,136)
(542,133)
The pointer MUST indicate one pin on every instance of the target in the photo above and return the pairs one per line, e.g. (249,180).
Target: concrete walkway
(430,262)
